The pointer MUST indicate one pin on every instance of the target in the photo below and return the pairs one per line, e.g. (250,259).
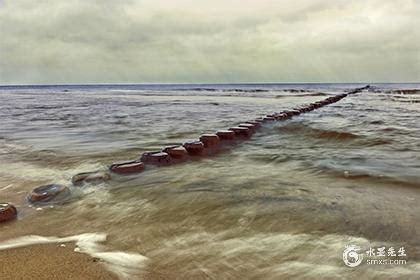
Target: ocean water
(282,204)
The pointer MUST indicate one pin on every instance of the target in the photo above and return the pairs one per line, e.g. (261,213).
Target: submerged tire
(126,168)
(251,127)
(94,178)
(241,131)
(8,212)
(281,116)
(156,158)
(256,124)
(286,114)
(268,119)
(176,152)
(295,112)
(210,140)
(194,147)
(226,134)
(49,193)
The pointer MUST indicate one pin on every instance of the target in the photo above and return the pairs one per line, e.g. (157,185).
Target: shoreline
(51,261)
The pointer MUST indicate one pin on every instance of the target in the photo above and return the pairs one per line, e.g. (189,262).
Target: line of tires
(207,144)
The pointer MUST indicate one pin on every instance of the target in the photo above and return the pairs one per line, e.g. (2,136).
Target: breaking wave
(123,264)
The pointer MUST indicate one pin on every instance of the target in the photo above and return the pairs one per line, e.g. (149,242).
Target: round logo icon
(351,257)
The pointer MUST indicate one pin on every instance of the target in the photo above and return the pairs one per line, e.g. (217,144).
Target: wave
(405,100)
(309,132)
(275,255)
(352,172)
(400,95)
(123,264)
(406,91)
(305,130)
(302,95)
(222,90)
(45,107)
(399,91)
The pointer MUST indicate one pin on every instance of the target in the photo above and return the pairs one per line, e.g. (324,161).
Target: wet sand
(50,261)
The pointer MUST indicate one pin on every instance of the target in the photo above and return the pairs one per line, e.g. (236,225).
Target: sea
(284,204)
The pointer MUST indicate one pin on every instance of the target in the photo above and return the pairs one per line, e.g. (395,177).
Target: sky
(214,41)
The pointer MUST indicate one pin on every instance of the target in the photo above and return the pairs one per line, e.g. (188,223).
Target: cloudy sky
(215,41)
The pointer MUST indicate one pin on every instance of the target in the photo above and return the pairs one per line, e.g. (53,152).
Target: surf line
(207,144)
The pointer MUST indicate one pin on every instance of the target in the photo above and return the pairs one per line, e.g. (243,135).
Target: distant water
(283,204)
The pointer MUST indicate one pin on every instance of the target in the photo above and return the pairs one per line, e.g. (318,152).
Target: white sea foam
(300,256)
(48,173)
(123,264)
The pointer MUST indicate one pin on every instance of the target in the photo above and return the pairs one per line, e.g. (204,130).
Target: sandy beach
(50,261)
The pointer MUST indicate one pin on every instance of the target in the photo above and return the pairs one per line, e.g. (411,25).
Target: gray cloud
(209,41)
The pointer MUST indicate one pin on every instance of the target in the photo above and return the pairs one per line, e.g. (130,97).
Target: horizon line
(175,84)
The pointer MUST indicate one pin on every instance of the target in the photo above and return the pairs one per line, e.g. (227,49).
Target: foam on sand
(123,264)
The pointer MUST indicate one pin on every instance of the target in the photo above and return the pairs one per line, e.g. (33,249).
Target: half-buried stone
(288,113)
(281,116)
(226,135)
(268,118)
(127,168)
(210,140)
(241,131)
(93,178)
(194,148)
(251,127)
(53,193)
(295,112)
(176,152)
(8,212)
(156,158)
(256,124)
